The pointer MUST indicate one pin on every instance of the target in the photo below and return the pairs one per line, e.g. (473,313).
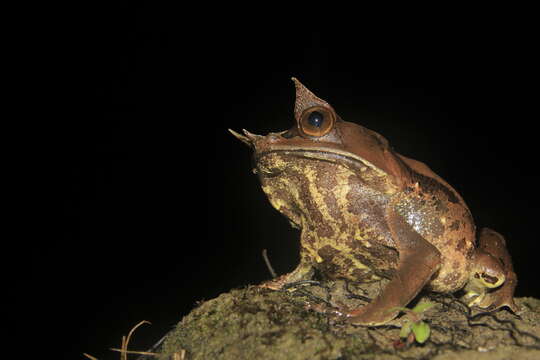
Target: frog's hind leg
(418,261)
(493,243)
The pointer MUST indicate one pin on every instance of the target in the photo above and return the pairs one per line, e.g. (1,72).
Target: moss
(255,323)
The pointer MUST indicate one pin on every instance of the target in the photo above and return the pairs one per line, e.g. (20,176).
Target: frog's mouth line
(334,156)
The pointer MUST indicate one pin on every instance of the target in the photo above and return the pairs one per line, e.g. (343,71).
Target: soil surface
(304,322)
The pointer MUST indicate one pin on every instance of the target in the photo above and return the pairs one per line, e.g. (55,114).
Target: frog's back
(420,168)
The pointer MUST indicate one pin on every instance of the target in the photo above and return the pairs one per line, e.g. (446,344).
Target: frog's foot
(493,243)
(302,272)
(487,295)
(498,299)
(486,274)
(418,261)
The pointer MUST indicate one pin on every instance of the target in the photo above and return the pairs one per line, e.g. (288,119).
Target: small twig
(154,347)
(125,341)
(135,352)
(268,265)
(90,356)
(181,355)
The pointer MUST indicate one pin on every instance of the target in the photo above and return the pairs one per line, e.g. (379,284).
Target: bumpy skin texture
(366,212)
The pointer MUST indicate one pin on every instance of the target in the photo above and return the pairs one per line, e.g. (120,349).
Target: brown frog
(368,213)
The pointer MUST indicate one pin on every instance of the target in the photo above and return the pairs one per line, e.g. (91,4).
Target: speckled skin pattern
(366,213)
(346,231)
(339,235)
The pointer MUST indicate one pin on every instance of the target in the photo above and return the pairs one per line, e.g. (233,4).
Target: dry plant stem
(134,352)
(179,355)
(125,341)
(267,261)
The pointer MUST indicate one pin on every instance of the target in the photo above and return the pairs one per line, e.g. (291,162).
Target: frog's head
(318,151)
(319,133)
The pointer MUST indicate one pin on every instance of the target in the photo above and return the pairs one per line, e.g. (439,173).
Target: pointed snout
(248,138)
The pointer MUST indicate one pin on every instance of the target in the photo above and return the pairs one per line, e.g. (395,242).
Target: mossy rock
(255,323)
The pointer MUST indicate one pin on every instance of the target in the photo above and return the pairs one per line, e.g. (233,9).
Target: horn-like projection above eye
(305,99)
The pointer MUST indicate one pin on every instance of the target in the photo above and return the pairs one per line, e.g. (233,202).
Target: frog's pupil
(316,119)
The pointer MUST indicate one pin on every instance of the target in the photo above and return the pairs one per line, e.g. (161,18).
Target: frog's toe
(269,285)
(274,284)
(496,300)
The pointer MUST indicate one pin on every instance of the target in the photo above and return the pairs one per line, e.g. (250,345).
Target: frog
(367,213)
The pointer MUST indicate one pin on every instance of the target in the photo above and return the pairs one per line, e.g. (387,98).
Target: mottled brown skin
(366,213)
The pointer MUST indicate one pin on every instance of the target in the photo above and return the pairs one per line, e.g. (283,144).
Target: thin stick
(155,346)
(135,328)
(125,341)
(90,356)
(123,355)
(268,265)
(134,352)
(179,355)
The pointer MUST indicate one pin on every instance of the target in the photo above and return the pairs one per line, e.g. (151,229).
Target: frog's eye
(317,121)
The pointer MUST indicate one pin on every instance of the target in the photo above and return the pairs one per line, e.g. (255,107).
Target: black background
(159,206)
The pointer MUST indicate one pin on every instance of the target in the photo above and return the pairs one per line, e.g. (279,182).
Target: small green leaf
(405,330)
(421,331)
(419,308)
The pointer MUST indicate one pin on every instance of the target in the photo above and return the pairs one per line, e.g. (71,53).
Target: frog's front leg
(418,261)
(304,271)
(492,267)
